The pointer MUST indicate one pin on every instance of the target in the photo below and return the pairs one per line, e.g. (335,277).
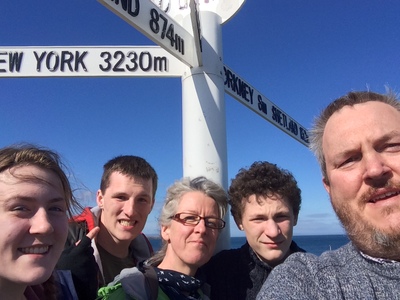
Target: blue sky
(299,54)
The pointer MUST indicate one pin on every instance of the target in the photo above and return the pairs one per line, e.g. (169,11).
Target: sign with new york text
(119,61)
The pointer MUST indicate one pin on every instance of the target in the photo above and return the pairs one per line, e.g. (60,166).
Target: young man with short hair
(124,201)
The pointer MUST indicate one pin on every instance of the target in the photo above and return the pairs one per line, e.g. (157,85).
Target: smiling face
(190,247)
(268,225)
(34,225)
(361,145)
(125,205)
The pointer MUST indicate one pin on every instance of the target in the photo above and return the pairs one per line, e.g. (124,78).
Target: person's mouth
(127,223)
(39,249)
(200,242)
(383,196)
(273,243)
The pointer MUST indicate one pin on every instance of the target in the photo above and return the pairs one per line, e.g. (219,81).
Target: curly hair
(263,179)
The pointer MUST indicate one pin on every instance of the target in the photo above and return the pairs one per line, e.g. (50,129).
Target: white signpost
(192,52)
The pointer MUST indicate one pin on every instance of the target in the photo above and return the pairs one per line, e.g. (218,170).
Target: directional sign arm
(146,17)
(242,91)
(73,61)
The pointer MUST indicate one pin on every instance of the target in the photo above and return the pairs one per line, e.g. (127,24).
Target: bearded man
(356,140)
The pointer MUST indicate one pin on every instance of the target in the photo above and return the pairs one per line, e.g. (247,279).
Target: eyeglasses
(193,220)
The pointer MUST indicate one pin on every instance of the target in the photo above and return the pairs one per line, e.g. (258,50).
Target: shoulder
(141,248)
(80,225)
(330,259)
(226,255)
(306,274)
(227,273)
(295,248)
(134,283)
(229,256)
(222,262)
(130,282)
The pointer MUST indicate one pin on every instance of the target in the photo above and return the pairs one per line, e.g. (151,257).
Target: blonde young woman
(35,201)
(191,220)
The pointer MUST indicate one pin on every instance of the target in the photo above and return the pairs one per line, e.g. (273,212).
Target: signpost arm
(203,110)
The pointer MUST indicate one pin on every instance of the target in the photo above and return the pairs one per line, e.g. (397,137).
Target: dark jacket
(237,273)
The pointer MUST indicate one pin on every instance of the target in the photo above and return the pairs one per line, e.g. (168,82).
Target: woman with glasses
(191,220)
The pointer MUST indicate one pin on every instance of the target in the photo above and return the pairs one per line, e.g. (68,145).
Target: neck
(111,245)
(273,264)
(173,263)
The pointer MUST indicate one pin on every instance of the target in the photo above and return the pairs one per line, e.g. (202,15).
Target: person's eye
(282,217)
(349,161)
(143,200)
(57,209)
(394,147)
(258,219)
(213,223)
(20,208)
(190,219)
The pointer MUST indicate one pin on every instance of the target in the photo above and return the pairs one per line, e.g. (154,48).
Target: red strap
(85,216)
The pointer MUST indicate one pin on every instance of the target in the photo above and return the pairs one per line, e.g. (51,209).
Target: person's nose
(129,207)
(375,168)
(40,223)
(201,227)
(271,229)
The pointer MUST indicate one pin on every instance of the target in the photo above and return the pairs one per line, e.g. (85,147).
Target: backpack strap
(149,245)
(151,279)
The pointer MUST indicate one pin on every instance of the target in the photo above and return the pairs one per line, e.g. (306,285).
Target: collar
(377,259)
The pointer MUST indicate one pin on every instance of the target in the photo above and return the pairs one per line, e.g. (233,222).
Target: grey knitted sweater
(339,274)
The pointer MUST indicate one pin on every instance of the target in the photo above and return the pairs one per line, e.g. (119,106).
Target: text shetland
(245,93)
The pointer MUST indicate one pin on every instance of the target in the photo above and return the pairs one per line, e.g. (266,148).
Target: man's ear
(327,186)
(100,199)
(295,220)
(240,226)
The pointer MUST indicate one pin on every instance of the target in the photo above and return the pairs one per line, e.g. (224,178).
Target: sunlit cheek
(286,228)
(345,181)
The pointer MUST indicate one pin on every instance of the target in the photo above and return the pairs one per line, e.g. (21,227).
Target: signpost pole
(203,113)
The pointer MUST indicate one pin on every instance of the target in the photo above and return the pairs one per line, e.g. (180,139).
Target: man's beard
(365,236)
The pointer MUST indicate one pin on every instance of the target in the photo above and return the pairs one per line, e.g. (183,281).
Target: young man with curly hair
(265,203)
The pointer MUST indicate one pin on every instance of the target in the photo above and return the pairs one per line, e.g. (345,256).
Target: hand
(91,234)
(80,261)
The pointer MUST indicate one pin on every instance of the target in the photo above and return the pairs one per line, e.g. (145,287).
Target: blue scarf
(178,285)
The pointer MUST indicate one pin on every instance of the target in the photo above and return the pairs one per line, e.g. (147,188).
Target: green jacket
(116,292)
(133,284)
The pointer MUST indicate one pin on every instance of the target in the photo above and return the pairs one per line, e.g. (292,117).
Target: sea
(315,244)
